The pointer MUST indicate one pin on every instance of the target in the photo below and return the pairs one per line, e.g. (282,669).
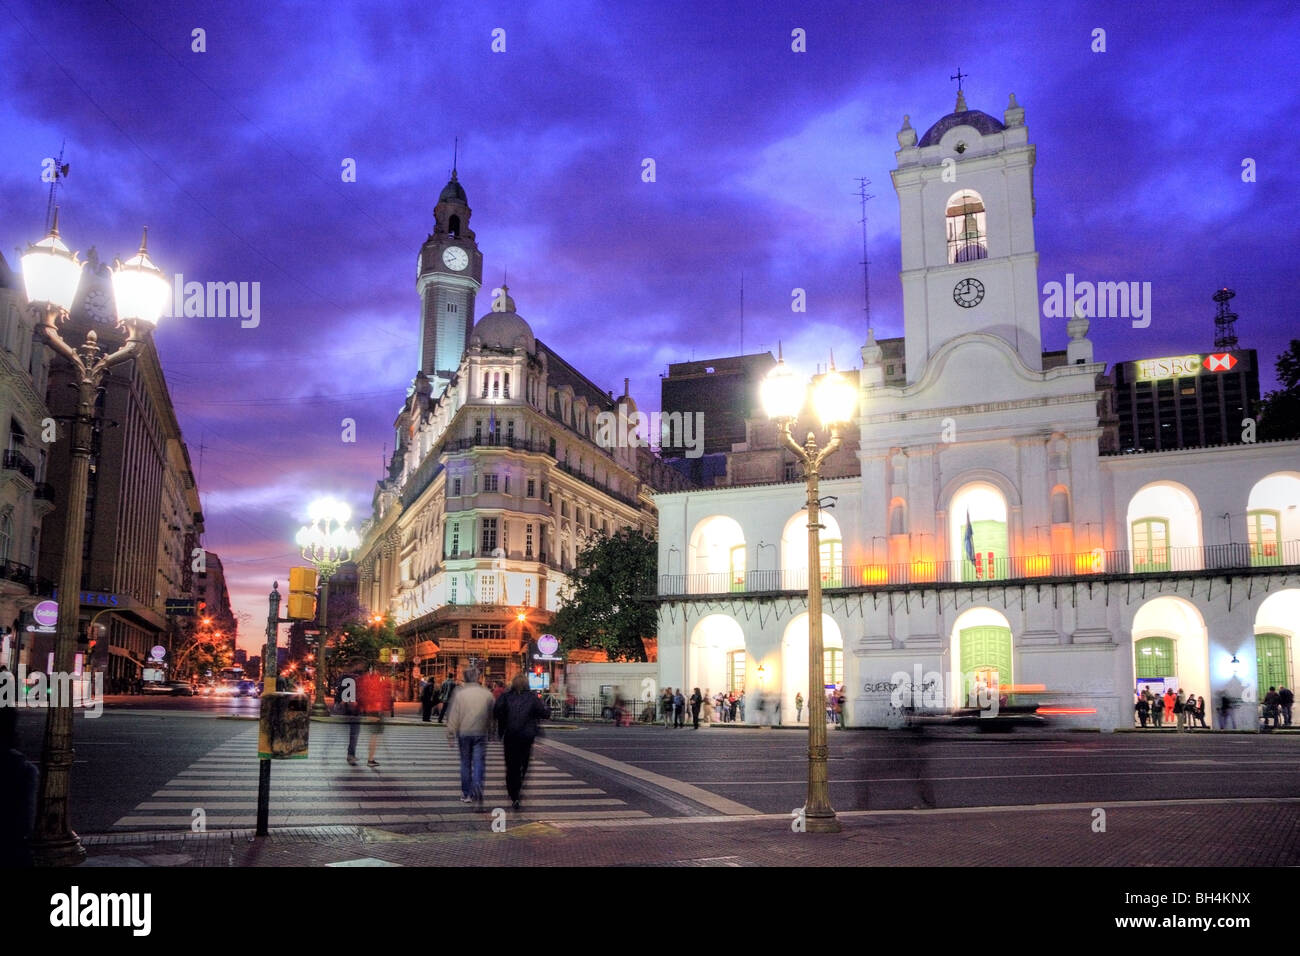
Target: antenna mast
(1225,322)
(863,196)
(60,174)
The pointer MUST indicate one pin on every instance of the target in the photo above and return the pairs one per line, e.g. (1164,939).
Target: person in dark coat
(444,694)
(518,714)
(428,698)
(1143,710)
(19,781)
(697,700)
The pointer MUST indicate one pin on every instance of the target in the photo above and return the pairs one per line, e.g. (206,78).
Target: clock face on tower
(455,258)
(968,293)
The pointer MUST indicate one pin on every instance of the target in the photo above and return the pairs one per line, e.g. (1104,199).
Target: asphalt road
(144,765)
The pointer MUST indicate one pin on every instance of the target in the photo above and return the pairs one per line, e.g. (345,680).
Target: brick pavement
(1264,832)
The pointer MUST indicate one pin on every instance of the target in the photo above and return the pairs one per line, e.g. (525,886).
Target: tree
(1279,410)
(603,605)
(361,640)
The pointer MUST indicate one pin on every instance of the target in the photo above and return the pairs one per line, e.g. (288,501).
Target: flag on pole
(968,539)
(492,422)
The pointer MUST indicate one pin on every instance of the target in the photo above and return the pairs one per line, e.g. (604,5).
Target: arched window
(6,536)
(453,225)
(967,230)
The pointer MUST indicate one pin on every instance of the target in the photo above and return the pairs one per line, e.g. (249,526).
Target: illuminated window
(1261,531)
(736,672)
(967,233)
(738,568)
(1151,544)
(833,666)
(528,591)
(489,536)
(488,588)
(451,590)
(832,563)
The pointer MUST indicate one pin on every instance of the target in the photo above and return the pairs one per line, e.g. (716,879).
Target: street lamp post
(51,274)
(326,543)
(833,400)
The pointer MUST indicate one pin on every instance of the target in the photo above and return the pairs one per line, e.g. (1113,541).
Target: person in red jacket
(374,699)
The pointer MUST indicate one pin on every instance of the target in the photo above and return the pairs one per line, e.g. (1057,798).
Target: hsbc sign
(1183,366)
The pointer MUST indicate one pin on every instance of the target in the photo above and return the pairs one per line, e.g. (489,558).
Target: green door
(1155,657)
(1272,663)
(1261,532)
(985,658)
(1151,545)
(990,539)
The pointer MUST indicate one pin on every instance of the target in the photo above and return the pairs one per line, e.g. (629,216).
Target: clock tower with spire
(450,272)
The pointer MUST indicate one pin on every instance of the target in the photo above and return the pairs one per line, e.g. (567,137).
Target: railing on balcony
(498,441)
(17,573)
(17,461)
(1215,557)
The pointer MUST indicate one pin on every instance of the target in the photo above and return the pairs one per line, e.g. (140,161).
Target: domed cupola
(502,328)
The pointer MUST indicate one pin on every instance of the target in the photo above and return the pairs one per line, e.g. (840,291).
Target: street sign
(180,606)
(157,652)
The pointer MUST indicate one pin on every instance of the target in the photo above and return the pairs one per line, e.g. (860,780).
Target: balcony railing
(18,573)
(1020,568)
(17,461)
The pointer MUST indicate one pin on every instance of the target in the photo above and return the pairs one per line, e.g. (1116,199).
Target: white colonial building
(994,534)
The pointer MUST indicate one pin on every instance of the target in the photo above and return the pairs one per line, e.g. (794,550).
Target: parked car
(181,688)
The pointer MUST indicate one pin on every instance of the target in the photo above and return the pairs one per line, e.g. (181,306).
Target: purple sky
(233,156)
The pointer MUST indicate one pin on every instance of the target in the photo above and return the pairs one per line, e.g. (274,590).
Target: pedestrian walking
(375,698)
(1200,712)
(1157,710)
(666,707)
(1180,703)
(468,723)
(679,709)
(708,706)
(1170,699)
(1270,707)
(798,706)
(445,692)
(1285,700)
(518,713)
(1143,710)
(696,702)
(1226,712)
(428,698)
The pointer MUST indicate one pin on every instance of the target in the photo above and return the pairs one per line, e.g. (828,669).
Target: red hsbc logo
(1220,363)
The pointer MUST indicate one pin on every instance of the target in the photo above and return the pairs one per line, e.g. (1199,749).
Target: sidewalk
(1254,833)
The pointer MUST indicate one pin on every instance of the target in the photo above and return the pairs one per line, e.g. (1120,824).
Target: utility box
(285,722)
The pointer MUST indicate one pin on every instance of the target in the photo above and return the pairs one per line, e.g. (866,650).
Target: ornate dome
(981,121)
(502,328)
(453,191)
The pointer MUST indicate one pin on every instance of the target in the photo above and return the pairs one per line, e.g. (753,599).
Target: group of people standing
(471,713)
(1179,709)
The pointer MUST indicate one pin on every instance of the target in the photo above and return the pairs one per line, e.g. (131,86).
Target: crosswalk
(417,780)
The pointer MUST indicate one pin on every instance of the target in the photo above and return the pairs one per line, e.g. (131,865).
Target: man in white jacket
(468,724)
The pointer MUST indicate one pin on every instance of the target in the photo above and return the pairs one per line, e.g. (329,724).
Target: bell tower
(966,204)
(449,274)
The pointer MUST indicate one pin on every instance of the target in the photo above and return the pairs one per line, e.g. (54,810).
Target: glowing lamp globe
(140,289)
(51,271)
(834,399)
(782,393)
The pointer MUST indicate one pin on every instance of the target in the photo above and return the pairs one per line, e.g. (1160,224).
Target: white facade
(990,537)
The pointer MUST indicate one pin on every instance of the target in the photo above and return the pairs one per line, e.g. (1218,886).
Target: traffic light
(302,594)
